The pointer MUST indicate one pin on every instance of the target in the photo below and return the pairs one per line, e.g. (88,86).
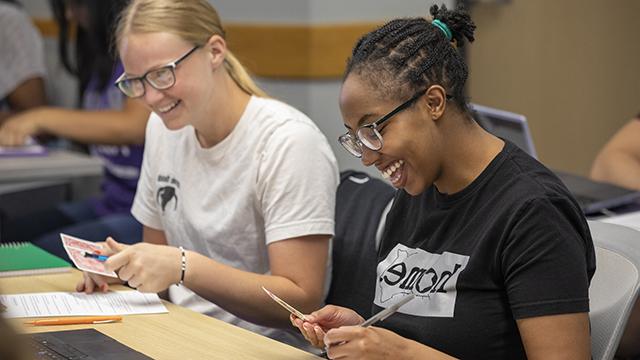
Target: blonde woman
(237,190)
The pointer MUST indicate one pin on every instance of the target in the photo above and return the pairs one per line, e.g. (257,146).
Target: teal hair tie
(442,26)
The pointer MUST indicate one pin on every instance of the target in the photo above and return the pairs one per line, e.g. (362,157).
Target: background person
(22,61)
(619,160)
(112,125)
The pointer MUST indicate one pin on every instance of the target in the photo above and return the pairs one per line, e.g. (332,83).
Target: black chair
(23,198)
(360,203)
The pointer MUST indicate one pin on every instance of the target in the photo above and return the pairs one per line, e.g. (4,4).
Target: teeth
(391,169)
(168,107)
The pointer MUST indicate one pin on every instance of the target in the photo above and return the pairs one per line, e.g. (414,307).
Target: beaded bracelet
(183,266)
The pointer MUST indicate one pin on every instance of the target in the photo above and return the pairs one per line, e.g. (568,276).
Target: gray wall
(320,11)
(317,98)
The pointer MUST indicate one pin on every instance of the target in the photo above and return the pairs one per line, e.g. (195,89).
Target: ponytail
(240,75)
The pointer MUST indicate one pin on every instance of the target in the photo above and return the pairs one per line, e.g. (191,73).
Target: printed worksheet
(81,304)
(77,250)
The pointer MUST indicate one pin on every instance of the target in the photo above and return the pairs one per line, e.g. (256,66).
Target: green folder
(27,259)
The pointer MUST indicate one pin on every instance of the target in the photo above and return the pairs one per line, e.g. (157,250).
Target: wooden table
(180,334)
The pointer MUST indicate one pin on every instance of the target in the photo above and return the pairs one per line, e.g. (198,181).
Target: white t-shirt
(273,178)
(21,49)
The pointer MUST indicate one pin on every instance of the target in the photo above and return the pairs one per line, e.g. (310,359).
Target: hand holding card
(282,303)
(77,250)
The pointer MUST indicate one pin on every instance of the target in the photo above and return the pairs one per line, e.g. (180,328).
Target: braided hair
(411,54)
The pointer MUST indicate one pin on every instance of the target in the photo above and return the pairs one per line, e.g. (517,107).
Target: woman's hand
(146,267)
(356,342)
(94,282)
(320,321)
(16,129)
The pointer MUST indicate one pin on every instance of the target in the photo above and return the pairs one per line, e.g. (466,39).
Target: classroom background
(568,66)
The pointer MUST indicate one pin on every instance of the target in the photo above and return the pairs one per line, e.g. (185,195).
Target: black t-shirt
(511,245)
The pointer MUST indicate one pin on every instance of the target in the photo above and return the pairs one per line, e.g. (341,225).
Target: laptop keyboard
(46,349)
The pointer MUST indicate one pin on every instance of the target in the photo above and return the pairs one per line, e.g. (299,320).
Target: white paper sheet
(81,304)
(631,220)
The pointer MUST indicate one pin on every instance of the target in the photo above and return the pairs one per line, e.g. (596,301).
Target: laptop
(595,198)
(86,344)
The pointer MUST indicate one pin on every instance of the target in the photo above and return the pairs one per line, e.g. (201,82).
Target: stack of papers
(81,304)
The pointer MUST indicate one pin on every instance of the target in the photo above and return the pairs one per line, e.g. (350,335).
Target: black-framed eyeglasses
(160,78)
(368,135)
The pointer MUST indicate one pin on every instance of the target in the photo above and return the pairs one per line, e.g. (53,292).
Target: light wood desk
(180,334)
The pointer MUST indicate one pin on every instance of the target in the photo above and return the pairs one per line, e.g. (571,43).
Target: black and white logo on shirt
(432,278)
(167,193)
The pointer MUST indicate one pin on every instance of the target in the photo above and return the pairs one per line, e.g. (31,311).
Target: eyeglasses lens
(370,138)
(162,78)
(132,87)
(350,144)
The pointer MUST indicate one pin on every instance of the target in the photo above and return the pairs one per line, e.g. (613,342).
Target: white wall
(37,8)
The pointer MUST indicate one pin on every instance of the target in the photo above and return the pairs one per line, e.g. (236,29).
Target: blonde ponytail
(240,75)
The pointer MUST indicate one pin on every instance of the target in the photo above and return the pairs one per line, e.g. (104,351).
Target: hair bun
(458,21)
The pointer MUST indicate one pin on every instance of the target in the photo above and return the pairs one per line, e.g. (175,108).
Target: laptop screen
(507,125)
(593,197)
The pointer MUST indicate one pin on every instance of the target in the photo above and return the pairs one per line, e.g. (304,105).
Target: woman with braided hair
(487,246)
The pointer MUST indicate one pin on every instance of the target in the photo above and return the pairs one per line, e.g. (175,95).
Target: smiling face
(410,155)
(186,101)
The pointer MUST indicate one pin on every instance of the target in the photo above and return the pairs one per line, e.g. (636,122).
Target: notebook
(86,344)
(27,259)
(30,148)
(594,197)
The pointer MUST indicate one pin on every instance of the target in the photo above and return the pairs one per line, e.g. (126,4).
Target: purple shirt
(121,162)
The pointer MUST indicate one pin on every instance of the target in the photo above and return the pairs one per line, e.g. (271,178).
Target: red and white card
(76,249)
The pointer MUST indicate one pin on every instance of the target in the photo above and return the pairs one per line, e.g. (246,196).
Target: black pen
(101,258)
